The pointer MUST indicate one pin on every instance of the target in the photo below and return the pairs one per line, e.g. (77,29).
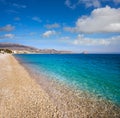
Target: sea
(98,74)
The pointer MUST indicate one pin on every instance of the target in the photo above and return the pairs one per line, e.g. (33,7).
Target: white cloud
(55,25)
(19,6)
(70,5)
(37,19)
(10,11)
(101,20)
(91,3)
(8,36)
(65,38)
(49,33)
(7,28)
(82,40)
(87,3)
(10,3)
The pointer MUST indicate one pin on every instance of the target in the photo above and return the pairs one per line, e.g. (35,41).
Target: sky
(75,25)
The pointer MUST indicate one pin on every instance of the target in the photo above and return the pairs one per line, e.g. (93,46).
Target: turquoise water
(96,73)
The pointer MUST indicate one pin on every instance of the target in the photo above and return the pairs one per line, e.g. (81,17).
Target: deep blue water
(96,73)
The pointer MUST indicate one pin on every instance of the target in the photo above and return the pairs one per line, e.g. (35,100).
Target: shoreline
(39,75)
(35,96)
(20,95)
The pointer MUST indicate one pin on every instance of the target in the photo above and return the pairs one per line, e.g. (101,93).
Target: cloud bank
(82,40)
(100,20)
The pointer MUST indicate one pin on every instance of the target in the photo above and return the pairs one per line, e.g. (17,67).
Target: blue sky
(76,25)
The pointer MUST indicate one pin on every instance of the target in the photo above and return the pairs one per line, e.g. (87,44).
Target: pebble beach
(23,96)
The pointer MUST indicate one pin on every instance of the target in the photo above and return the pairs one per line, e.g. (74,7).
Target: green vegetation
(5,51)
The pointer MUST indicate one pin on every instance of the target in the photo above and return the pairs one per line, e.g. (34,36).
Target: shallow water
(98,74)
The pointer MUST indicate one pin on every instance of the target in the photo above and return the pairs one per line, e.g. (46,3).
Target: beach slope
(21,96)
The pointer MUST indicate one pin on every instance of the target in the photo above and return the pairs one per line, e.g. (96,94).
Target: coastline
(23,94)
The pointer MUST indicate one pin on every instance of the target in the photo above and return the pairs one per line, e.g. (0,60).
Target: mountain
(17,48)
